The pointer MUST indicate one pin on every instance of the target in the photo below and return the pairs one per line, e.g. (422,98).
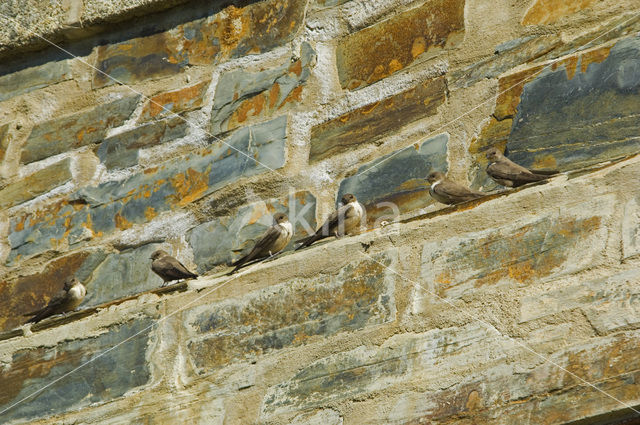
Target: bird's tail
(545,172)
(309,240)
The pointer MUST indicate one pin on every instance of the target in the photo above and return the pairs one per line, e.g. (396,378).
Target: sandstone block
(35,184)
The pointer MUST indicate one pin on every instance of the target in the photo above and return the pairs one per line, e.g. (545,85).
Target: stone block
(631,228)
(121,150)
(83,128)
(5,138)
(24,294)
(33,78)
(543,12)
(234,32)
(241,94)
(373,121)
(290,313)
(398,178)
(118,367)
(35,184)
(578,112)
(236,234)
(96,211)
(551,245)
(175,101)
(380,50)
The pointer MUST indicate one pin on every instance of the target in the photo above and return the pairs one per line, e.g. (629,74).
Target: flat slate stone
(373,121)
(225,239)
(543,12)
(66,133)
(35,184)
(121,368)
(287,314)
(241,94)
(33,78)
(398,178)
(378,51)
(176,101)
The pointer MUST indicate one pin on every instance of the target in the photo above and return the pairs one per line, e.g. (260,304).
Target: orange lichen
(121,222)
(544,12)
(190,185)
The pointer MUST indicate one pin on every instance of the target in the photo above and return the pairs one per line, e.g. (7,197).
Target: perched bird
(274,240)
(64,301)
(346,220)
(510,174)
(448,192)
(168,268)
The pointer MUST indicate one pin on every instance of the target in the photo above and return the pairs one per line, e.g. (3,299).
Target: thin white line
(563,57)
(119,344)
(143,96)
(490,326)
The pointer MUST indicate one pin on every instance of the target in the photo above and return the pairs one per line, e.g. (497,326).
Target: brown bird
(67,299)
(168,268)
(508,173)
(274,240)
(346,220)
(449,192)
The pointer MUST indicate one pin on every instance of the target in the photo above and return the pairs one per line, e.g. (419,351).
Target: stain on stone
(63,134)
(33,78)
(35,184)
(287,315)
(5,138)
(176,101)
(544,12)
(234,32)
(241,95)
(398,178)
(91,211)
(236,234)
(118,369)
(378,51)
(373,121)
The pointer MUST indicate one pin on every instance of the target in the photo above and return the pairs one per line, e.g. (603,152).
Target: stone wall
(184,125)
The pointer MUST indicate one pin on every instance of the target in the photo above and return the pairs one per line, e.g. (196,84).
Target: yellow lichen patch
(419,47)
(544,12)
(545,161)
(121,222)
(150,213)
(189,186)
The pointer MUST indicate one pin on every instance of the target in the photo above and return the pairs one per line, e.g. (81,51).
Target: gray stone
(35,184)
(33,78)
(226,238)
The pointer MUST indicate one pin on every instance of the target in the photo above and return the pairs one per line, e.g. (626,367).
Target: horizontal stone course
(35,184)
(33,78)
(176,101)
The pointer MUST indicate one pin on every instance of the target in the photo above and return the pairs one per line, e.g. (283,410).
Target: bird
(346,220)
(274,240)
(449,192)
(168,268)
(67,299)
(508,173)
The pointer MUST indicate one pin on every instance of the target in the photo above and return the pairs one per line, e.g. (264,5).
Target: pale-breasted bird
(508,173)
(67,299)
(168,268)
(274,240)
(449,192)
(346,220)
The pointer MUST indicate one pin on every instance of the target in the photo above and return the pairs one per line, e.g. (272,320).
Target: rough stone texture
(631,228)
(236,234)
(81,129)
(241,94)
(372,121)
(5,138)
(378,51)
(398,178)
(33,78)
(550,11)
(35,184)
(109,376)
(176,101)
(540,249)
(235,32)
(122,150)
(287,315)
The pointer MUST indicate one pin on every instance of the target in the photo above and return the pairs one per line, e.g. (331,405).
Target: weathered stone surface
(373,121)
(234,32)
(285,315)
(66,133)
(236,234)
(5,138)
(176,101)
(118,369)
(241,94)
(321,417)
(122,274)
(329,3)
(610,304)
(33,78)
(580,111)
(631,228)
(378,51)
(35,184)
(121,150)
(398,178)
(19,296)
(544,12)
(550,245)
(96,211)
(440,352)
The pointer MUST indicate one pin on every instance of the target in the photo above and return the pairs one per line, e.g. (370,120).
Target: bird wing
(174,269)
(454,190)
(511,171)
(52,307)
(262,246)
(328,228)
